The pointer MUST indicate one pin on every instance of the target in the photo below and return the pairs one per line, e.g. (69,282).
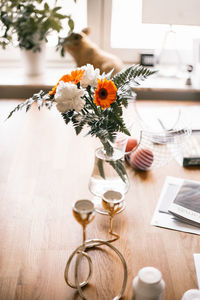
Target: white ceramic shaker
(148,284)
(191,295)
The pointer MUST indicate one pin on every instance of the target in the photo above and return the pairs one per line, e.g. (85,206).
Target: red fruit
(141,159)
(131,144)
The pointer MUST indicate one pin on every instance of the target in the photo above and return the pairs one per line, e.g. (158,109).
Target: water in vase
(109,173)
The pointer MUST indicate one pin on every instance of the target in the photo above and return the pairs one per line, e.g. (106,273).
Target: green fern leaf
(38,98)
(130,74)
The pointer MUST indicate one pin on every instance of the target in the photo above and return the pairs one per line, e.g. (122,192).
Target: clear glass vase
(109,173)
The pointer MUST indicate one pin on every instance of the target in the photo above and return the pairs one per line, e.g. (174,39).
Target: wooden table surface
(44,167)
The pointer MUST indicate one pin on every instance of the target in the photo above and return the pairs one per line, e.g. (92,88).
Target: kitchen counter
(14,84)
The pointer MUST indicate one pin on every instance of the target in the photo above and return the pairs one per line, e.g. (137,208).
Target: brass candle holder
(110,204)
(113,202)
(84,213)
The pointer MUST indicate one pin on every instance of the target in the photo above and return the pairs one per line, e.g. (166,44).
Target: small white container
(191,295)
(148,284)
(34,62)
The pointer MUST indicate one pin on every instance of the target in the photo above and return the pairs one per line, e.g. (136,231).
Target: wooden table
(43,168)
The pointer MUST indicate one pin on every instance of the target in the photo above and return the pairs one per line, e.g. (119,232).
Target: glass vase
(109,173)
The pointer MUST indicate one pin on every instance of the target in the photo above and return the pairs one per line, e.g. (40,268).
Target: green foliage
(118,165)
(60,47)
(67,116)
(61,41)
(31,21)
(40,99)
(131,75)
(100,167)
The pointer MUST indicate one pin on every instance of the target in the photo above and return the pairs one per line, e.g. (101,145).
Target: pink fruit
(131,144)
(141,159)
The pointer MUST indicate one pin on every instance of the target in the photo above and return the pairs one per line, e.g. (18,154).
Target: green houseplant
(29,22)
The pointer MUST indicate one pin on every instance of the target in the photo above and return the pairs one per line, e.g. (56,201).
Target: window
(116,26)
(127,36)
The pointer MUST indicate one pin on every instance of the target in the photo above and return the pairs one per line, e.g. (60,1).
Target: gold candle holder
(83,211)
(110,203)
(113,202)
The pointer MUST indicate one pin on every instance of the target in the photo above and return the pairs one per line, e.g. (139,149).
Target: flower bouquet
(87,99)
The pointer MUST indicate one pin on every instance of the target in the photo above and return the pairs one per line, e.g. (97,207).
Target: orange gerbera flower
(74,77)
(106,93)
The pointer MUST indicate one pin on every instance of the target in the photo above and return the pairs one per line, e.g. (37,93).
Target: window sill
(14,84)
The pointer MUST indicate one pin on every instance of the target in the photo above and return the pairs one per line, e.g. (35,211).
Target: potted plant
(29,22)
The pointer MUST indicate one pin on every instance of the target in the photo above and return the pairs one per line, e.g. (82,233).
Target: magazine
(162,217)
(186,204)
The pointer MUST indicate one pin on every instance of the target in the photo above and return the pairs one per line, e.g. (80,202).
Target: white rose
(90,76)
(68,97)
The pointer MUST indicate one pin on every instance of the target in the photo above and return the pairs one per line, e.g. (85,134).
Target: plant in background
(87,99)
(30,21)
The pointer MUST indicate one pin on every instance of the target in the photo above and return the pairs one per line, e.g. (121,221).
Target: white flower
(90,76)
(68,97)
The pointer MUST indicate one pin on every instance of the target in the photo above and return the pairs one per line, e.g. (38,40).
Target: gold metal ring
(89,244)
